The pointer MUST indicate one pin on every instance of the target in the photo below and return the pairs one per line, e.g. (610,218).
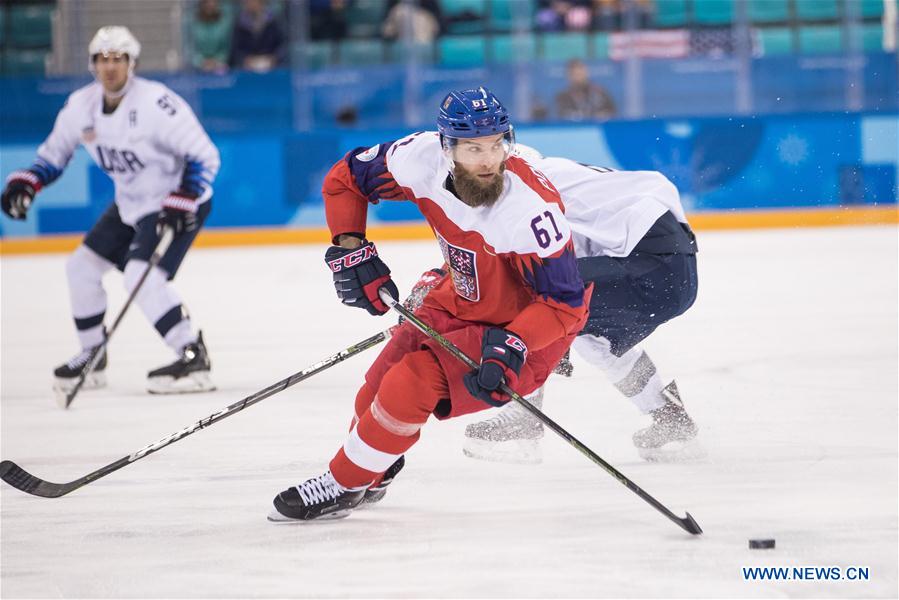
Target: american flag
(673,43)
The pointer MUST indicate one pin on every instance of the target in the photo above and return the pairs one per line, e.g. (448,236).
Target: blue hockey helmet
(472,113)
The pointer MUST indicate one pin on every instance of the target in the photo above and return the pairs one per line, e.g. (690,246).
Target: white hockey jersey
(609,211)
(151,145)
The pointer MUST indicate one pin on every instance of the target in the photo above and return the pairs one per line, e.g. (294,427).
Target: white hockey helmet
(114,39)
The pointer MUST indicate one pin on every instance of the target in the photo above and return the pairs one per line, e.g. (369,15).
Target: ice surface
(788,362)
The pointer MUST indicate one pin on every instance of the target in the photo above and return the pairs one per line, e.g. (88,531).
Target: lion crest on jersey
(463,268)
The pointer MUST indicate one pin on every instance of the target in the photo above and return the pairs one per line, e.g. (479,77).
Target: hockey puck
(761,544)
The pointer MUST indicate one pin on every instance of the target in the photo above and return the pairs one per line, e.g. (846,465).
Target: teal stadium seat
(872,9)
(316,54)
(462,50)
(353,53)
(503,13)
(671,13)
(776,41)
(872,37)
(769,11)
(600,46)
(464,16)
(24,62)
(30,26)
(509,48)
(425,53)
(564,46)
(817,10)
(821,39)
(364,18)
(713,12)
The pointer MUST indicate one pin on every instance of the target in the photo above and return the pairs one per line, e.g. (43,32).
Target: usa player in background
(148,140)
(513,297)
(632,240)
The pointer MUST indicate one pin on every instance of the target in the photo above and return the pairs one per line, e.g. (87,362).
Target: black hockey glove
(358,274)
(21,188)
(179,211)
(503,354)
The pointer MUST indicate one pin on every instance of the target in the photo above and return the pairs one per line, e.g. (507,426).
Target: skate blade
(191,384)
(62,387)
(276,517)
(516,452)
(674,452)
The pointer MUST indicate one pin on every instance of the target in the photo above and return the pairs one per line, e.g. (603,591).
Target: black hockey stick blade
(690,525)
(21,479)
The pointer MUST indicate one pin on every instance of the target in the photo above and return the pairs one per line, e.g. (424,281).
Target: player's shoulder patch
(370,154)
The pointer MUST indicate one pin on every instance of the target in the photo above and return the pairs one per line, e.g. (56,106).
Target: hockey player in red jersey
(513,296)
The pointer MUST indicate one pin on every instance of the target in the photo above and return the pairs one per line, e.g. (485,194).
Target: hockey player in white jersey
(633,242)
(148,140)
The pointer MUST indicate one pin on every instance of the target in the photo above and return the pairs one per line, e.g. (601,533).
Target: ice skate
(512,436)
(376,491)
(672,435)
(565,368)
(188,374)
(66,375)
(318,499)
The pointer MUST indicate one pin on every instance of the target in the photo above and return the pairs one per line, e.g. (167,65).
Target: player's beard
(473,191)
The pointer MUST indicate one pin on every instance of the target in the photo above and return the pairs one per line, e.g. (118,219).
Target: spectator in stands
(607,15)
(258,43)
(583,99)
(420,22)
(327,19)
(212,37)
(560,15)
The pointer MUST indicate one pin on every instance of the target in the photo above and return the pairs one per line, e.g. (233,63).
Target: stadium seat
(2,25)
(713,12)
(600,46)
(817,10)
(364,17)
(769,11)
(29,26)
(506,48)
(776,41)
(400,51)
(316,54)
(24,62)
(820,39)
(457,50)
(872,9)
(872,37)
(502,14)
(671,13)
(564,46)
(354,53)
(464,16)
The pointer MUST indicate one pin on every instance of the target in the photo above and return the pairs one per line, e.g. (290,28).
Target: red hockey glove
(358,274)
(503,354)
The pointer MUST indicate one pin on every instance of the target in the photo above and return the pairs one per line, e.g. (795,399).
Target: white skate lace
(320,489)
(80,359)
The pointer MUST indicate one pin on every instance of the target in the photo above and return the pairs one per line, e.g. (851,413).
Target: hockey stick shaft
(162,246)
(687,523)
(17,477)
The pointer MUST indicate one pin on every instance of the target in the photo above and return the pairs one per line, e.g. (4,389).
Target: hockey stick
(19,478)
(161,247)
(687,523)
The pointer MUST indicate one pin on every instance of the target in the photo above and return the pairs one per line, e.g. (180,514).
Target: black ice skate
(375,492)
(67,374)
(318,499)
(190,373)
(671,437)
(512,436)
